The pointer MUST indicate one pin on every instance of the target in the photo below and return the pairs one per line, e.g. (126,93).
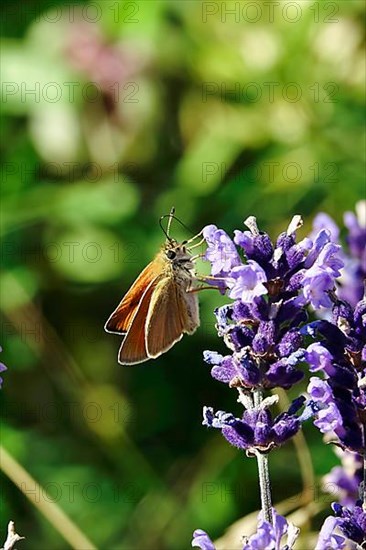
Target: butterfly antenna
(167,230)
(171,216)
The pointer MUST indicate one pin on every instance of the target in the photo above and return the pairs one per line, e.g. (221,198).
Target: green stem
(263,472)
(265,486)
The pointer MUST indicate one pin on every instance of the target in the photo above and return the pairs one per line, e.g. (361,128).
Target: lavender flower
(279,535)
(351,283)
(317,285)
(221,251)
(265,331)
(352,522)
(345,481)
(318,357)
(339,398)
(246,282)
(271,288)
(202,540)
(323,267)
(257,430)
(269,535)
(327,538)
(324,221)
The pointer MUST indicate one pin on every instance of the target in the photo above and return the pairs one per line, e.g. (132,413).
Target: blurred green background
(112,112)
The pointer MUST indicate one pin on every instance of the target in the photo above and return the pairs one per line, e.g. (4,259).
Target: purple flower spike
(341,396)
(264,331)
(246,282)
(256,430)
(271,290)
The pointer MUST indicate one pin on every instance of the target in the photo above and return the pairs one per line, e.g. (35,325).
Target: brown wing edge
(122,317)
(133,348)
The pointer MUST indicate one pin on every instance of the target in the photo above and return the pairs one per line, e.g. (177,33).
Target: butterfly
(160,306)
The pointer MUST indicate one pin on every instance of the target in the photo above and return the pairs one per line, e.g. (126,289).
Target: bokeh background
(112,112)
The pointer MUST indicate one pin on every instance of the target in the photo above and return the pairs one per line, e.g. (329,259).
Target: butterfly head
(177,254)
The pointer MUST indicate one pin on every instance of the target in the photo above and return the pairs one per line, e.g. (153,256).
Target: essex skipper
(160,306)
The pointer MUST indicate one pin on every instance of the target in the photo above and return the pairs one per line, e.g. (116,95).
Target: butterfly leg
(204,278)
(194,238)
(198,289)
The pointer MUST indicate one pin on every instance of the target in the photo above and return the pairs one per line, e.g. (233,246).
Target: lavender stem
(263,472)
(265,487)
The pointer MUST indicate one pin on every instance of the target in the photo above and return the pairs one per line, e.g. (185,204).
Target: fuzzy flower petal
(316,285)
(271,537)
(321,239)
(327,539)
(221,251)
(352,522)
(318,357)
(246,282)
(202,540)
(323,221)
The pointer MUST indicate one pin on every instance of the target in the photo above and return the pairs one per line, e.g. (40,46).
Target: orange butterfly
(160,306)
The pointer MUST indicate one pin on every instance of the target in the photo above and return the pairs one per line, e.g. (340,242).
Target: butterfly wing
(133,348)
(172,312)
(122,317)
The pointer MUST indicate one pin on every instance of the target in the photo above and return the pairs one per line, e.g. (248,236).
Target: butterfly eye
(171,254)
